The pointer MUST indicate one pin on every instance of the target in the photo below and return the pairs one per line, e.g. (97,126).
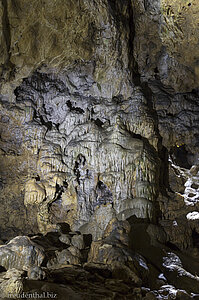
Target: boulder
(21,253)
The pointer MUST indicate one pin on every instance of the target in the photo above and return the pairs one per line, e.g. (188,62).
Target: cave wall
(99,115)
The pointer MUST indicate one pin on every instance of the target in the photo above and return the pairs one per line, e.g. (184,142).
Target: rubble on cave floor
(117,266)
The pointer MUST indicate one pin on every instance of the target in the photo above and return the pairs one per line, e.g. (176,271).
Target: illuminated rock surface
(99,143)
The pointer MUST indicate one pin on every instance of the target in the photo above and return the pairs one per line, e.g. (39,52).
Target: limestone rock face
(166,42)
(66,33)
(101,170)
(83,134)
(99,143)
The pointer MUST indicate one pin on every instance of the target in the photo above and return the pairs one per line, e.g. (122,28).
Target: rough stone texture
(70,256)
(12,284)
(99,120)
(113,246)
(166,41)
(167,67)
(21,253)
(83,134)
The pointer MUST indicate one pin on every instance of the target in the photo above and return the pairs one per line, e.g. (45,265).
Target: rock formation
(99,142)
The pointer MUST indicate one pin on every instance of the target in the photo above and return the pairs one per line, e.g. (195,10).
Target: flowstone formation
(92,154)
(99,170)
(85,133)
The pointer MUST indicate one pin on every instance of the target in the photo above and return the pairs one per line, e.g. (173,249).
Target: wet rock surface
(99,170)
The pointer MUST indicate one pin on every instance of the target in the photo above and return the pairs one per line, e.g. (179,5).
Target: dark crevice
(136,136)
(156,70)
(77,173)
(195,238)
(65,184)
(40,119)
(47,124)
(146,4)
(98,122)
(164,170)
(57,126)
(37,178)
(64,228)
(72,108)
(87,240)
(2,269)
(140,242)
(80,162)
(118,99)
(40,83)
(103,194)
(181,156)
(60,189)
(172,246)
